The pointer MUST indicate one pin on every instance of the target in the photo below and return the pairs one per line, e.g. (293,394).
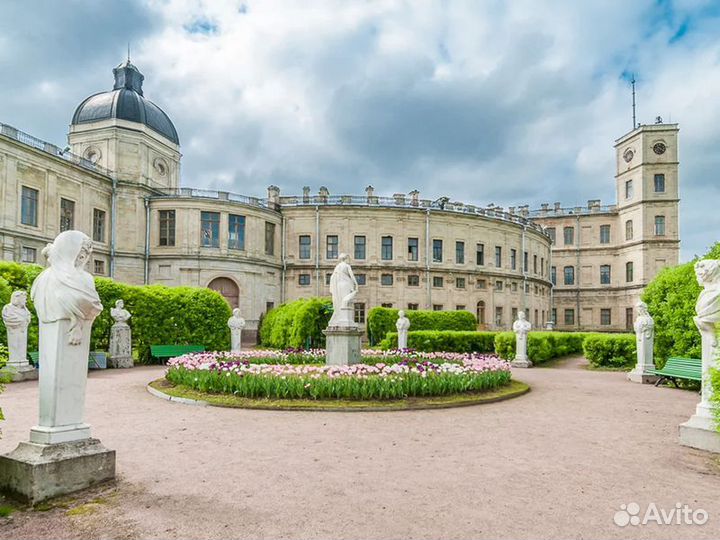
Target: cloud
(504,102)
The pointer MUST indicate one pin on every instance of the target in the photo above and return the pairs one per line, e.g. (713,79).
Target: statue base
(342,345)
(23,372)
(36,472)
(642,375)
(700,431)
(521,363)
(120,362)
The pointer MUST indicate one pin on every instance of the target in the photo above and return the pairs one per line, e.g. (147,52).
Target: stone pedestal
(700,432)
(342,345)
(120,346)
(521,363)
(24,372)
(640,374)
(35,472)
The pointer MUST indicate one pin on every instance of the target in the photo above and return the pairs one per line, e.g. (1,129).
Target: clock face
(628,155)
(659,148)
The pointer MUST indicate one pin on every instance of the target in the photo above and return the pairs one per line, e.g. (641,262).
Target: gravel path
(557,462)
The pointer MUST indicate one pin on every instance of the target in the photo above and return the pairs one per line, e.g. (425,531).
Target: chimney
(557,206)
(399,199)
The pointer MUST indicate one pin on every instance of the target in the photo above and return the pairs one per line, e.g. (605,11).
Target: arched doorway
(227,288)
(481,313)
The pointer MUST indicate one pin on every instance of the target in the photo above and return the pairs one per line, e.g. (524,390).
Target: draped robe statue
(707,320)
(236,324)
(402,325)
(343,288)
(521,327)
(16,317)
(120,337)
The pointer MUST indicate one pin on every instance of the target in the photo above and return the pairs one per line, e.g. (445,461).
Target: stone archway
(227,288)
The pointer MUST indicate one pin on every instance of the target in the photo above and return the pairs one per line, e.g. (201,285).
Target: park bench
(163,352)
(680,368)
(96,359)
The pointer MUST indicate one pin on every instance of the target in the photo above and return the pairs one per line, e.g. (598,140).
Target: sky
(483,101)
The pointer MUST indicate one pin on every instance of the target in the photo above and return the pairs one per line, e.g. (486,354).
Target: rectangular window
(269,238)
(437,281)
(605,316)
(604,274)
(361,279)
(437,250)
(236,232)
(386,279)
(659,183)
(98,225)
(498,316)
(629,318)
(99,267)
(569,275)
(413,249)
(460,283)
(551,233)
(386,304)
(413,307)
(328,276)
(481,284)
(386,248)
(67,215)
(304,279)
(359,312)
(513,286)
(437,307)
(569,317)
(513,259)
(413,280)
(569,235)
(29,206)
(459,252)
(604,234)
(629,271)
(269,306)
(498,285)
(628,229)
(628,189)
(553,275)
(28,255)
(535,266)
(360,248)
(525,262)
(304,246)
(542,266)
(460,307)
(167,227)
(553,315)
(513,313)
(659,225)
(498,257)
(480,254)
(332,246)
(210,229)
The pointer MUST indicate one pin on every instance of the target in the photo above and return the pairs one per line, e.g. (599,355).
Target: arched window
(227,288)
(481,312)
(628,229)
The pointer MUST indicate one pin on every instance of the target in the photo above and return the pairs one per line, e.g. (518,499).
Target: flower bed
(408,377)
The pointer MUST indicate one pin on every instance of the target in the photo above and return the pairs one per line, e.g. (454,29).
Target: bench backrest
(691,366)
(170,351)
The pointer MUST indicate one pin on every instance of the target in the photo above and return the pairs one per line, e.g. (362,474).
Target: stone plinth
(121,346)
(521,363)
(342,345)
(22,373)
(699,432)
(640,374)
(35,472)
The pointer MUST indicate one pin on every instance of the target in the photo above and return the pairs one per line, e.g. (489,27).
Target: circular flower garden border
(162,388)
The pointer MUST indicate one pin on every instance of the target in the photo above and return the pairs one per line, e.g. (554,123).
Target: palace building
(581,267)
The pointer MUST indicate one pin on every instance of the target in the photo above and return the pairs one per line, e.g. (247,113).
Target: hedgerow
(542,346)
(447,340)
(297,324)
(382,320)
(610,350)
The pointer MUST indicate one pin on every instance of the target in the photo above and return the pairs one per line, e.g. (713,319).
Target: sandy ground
(555,463)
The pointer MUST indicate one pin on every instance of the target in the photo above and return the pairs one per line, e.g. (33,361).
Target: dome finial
(128,76)
(128,52)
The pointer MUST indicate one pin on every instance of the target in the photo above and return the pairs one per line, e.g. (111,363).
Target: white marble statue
(521,327)
(67,304)
(644,339)
(402,325)
(236,324)
(120,337)
(700,430)
(343,288)
(16,317)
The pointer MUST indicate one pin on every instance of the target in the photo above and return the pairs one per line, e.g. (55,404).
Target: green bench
(96,359)
(163,352)
(680,368)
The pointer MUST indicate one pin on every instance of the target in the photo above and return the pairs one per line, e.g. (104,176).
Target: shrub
(297,324)
(671,298)
(542,346)
(614,350)
(444,340)
(382,320)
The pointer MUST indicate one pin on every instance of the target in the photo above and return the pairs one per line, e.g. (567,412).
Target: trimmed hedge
(542,346)
(382,320)
(160,315)
(615,350)
(448,340)
(297,324)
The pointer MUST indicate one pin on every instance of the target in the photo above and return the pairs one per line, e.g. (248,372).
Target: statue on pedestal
(343,288)
(16,317)
(521,327)
(236,324)
(120,337)
(402,325)
(644,340)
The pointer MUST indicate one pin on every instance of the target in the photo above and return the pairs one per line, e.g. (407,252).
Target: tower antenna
(129,54)
(632,82)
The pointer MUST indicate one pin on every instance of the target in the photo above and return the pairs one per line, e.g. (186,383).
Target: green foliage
(297,324)
(160,315)
(610,350)
(382,320)
(444,340)
(542,346)
(671,298)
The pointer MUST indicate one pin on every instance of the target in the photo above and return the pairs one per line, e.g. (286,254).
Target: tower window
(629,270)
(659,183)
(629,229)
(659,225)
(628,189)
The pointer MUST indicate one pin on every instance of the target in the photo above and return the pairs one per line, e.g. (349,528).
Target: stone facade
(120,185)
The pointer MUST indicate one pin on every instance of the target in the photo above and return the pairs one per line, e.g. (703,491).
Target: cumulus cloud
(490,102)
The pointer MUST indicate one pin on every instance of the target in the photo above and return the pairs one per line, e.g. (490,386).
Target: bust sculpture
(120,337)
(402,325)
(707,309)
(236,324)
(16,317)
(521,327)
(343,288)
(644,327)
